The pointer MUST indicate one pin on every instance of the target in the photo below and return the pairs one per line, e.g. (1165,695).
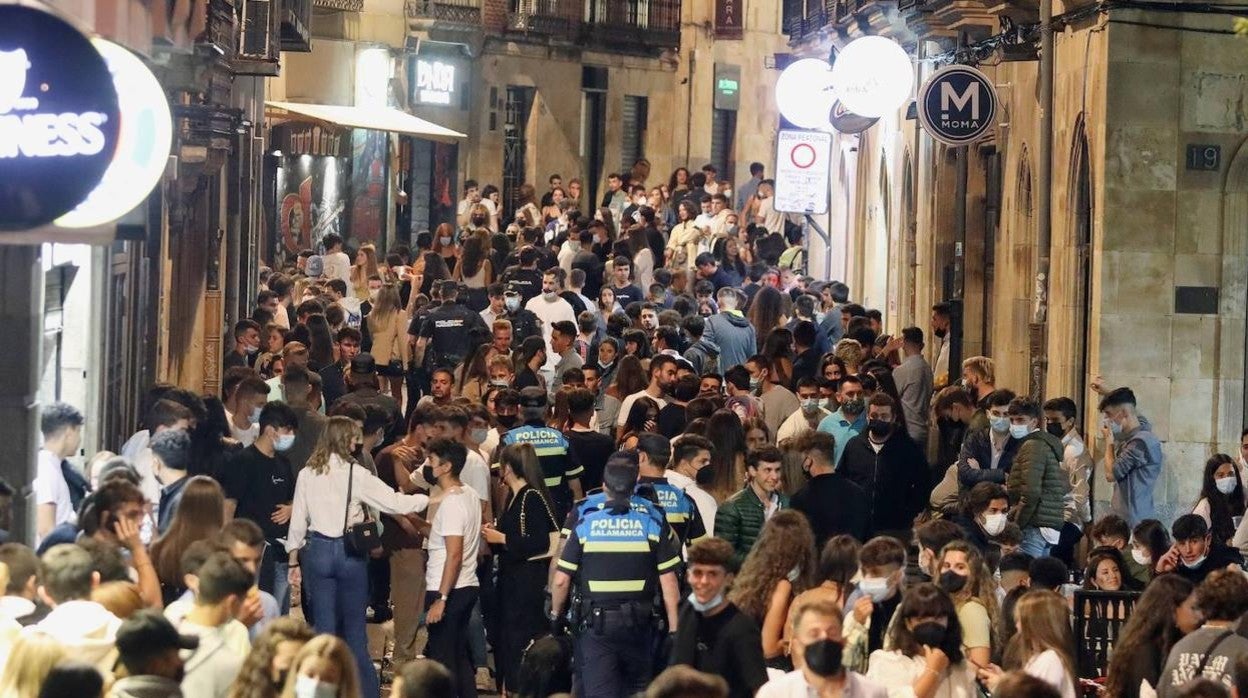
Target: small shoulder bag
(362,539)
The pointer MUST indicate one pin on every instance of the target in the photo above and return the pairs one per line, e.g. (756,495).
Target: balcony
(466,12)
(632,25)
(558,20)
(296,27)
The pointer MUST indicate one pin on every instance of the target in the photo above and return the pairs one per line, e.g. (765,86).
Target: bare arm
(559,591)
(578,492)
(45,519)
(773,621)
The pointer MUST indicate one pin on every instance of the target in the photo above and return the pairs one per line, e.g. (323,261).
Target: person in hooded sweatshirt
(149,650)
(702,352)
(731,331)
(84,627)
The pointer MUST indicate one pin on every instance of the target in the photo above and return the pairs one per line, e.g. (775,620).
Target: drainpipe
(693,63)
(1044,203)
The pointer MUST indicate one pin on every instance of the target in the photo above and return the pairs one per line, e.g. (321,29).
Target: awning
(375,118)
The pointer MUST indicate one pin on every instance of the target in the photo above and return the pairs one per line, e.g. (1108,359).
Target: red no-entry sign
(803,155)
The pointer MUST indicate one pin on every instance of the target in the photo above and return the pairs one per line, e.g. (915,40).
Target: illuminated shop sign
(435,81)
(59,117)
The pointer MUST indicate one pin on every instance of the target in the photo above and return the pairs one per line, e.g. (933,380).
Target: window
(723,141)
(633,142)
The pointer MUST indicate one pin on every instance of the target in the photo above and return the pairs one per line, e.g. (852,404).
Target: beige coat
(390,339)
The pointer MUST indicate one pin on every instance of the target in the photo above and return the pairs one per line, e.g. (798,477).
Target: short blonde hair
(30,661)
(849,351)
(981,366)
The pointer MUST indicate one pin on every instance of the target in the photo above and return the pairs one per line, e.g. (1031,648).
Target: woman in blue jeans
(337,581)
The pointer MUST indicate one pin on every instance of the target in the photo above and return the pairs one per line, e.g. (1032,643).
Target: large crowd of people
(616,450)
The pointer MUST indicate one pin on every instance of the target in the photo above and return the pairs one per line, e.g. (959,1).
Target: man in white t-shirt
(690,455)
(550,308)
(472,197)
(335,264)
(61,425)
(242,408)
(662,378)
(452,423)
(451,575)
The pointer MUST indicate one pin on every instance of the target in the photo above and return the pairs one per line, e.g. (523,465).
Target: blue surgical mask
(999,424)
(480,435)
(1196,563)
(704,607)
(255,415)
(1019,431)
(793,574)
(875,587)
(283,442)
(810,404)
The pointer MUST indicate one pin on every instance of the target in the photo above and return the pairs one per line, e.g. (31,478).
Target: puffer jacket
(1037,483)
(740,519)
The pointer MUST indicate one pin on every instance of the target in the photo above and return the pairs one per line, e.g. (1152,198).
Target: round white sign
(143,143)
(804,93)
(873,76)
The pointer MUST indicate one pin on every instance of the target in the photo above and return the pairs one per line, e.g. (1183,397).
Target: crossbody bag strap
(1200,670)
(346,514)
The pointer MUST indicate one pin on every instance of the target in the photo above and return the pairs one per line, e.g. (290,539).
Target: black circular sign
(845,121)
(958,105)
(58,117)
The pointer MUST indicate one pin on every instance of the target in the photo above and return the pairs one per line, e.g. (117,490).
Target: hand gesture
(990,675)
(971,462)
(281,515)
(492,535)
(1098,386)
(128,533)
(251,612)
(863,608)
(435,612)
(1169,561)
(936,659)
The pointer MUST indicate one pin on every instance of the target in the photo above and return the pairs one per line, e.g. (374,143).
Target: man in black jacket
(1195,554)
(712,635)
(833,503)
(892,469)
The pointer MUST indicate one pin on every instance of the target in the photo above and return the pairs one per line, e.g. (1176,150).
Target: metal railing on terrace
(458,11)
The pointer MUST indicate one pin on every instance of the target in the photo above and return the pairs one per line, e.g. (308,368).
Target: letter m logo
(951,100)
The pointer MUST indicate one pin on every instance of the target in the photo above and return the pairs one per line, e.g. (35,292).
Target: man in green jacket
(741,518)
(1037,484)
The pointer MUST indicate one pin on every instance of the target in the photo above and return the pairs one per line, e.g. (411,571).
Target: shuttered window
(633,141)
(723,138)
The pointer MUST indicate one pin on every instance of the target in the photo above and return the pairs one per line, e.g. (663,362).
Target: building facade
(1147,284)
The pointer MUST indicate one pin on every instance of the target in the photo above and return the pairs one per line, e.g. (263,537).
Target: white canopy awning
(375,118)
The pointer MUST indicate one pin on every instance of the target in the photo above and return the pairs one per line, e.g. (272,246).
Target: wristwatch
(442,598)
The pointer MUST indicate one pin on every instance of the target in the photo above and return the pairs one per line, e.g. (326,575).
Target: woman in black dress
(521,539)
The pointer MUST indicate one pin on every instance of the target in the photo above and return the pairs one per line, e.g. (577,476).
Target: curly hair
(255,678)
(980,583)
(850,352)
(786,543)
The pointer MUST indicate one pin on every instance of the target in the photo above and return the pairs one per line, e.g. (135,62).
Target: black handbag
(362,539)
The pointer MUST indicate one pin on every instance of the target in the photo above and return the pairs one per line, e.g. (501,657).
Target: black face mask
(507,421)
(1055,429)
(280,683)
(879,428)
(929,633)
(941,333)
(823,657)
(427,473)
(705,476)
(952,582)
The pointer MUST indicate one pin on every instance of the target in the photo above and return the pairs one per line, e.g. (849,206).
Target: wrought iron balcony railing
(452,11)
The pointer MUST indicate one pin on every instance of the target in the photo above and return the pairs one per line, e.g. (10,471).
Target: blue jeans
(338,585)
(1033,543)
(275,574)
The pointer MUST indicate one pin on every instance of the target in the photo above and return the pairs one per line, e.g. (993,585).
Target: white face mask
(1019,431)
(1225,485)
(308,687)
(875,587)
(283,442)
(994,523)
(1141,557)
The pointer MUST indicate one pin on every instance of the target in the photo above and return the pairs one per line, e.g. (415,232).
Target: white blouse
(1047,666)
(321,500)
(897,673)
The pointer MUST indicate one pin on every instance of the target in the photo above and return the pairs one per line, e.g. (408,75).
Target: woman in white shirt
(926,659)
(336,581)
(1044,646)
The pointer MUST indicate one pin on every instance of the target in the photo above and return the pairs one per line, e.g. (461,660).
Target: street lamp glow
(804,93)
(873,76)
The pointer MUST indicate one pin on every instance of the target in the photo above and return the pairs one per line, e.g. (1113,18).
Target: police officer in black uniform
(450,333)
(619,558)
(560,466)
(526,277)
(524,323)
(654,451)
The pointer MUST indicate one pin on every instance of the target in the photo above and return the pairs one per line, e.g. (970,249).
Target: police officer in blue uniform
(619,558)
(560,466)
(653,452)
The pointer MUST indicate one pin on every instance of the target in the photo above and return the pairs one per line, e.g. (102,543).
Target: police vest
(679,508)
(552,450)
(618,557)
(597,501)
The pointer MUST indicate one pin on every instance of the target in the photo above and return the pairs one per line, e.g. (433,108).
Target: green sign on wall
(727,86)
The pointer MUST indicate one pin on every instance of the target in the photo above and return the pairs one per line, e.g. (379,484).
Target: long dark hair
(927,601)
(724,430)
(672,183)
(199,516)
(1222,507)
(521,459)
(473,253)
(765,312)
(1151,534)
(321,352)
(1151,624)
(635,420)
(1101,554)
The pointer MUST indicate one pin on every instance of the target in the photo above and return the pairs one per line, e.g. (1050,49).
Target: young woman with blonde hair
(364,268)
(29,662)
(388,325)
(965,577)
(324,667)
(1044,645)
(331,494)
